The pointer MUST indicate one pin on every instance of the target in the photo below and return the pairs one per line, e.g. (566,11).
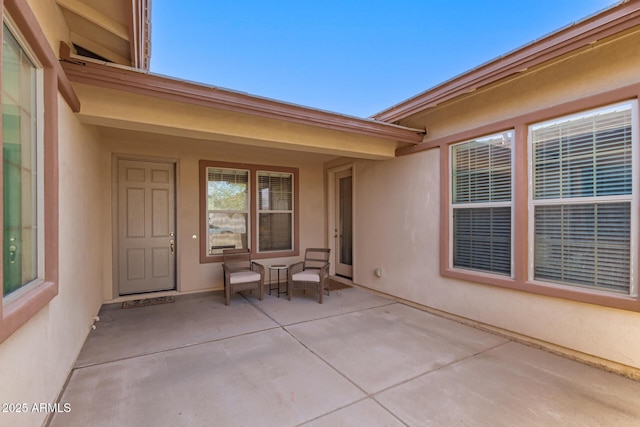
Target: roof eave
(586,32)
(142,82)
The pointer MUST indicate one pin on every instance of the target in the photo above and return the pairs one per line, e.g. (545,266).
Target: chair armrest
(259,267)
(324,272)
(295,268)
(226,272)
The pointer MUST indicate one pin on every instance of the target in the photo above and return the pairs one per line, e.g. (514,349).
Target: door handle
(13,249)
(172,246)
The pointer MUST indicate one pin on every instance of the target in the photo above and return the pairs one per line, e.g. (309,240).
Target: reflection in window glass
(227,209)
(19,166)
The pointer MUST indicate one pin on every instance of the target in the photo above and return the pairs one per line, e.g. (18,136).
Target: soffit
(161,141)
(117,30)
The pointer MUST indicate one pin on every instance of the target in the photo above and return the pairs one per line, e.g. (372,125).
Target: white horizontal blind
(227,209)
(481,203)
(585,244)
(482,239)
(275,211)
(582,199)
(584,156)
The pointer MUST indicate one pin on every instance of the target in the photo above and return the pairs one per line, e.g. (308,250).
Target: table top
(278,267)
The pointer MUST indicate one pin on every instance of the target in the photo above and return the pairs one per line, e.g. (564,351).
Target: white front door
(344,223)
(146,227)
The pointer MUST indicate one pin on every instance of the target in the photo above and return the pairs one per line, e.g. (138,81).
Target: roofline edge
(145,83)
(615,19)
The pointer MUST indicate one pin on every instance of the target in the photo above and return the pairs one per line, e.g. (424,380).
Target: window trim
(252,222)
(453,206)
(19,309)
(520,281)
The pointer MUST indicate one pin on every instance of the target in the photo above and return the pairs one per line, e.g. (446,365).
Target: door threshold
(342,279)
(143,295)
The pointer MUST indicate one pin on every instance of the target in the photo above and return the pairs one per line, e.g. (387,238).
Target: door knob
(172,245)
(12,253)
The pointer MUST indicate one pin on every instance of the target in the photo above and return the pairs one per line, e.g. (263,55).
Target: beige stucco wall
(51,22)
(193,276)
(37,359)
(400,200)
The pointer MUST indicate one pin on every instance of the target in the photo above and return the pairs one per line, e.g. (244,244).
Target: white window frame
(633,199)
(510,204)
(39,146)
(259,211)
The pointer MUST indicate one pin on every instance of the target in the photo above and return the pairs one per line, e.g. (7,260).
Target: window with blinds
(481,205)
(227,209)
(248,206)
(275,211)
(582,202)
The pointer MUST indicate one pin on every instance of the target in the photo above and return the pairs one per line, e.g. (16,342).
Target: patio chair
(312,273)
(241,274)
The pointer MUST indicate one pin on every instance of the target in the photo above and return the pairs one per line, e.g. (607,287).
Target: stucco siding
(51,21)
(398,230)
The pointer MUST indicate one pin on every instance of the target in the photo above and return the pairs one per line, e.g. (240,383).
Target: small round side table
(278,268)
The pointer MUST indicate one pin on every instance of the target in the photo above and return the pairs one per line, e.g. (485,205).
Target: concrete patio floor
(356,360)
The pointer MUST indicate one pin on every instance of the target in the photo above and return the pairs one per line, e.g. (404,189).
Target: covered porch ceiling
(128,99)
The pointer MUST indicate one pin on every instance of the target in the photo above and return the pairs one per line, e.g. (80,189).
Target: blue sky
(353,57)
